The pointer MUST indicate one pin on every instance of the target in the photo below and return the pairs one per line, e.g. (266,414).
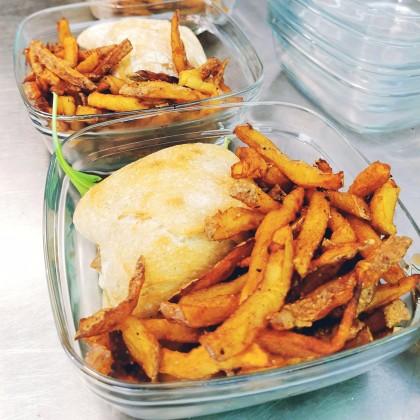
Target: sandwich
(156,207)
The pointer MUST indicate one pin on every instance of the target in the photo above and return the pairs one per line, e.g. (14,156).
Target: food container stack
(358,60)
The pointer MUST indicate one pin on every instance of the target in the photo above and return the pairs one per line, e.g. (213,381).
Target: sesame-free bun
(156,207)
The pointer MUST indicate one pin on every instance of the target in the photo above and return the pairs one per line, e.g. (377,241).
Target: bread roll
(157,207)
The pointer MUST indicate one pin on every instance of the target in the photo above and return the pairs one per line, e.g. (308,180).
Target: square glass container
(217,33)
(74,293)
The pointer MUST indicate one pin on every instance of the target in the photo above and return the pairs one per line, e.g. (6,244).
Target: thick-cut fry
(111,59)
(316,305)
(163,329)
(160,90)
(148,75)
(60,67)
(63,29)
(338,254)
(312,232)
(198,364)
(371,178)
(225,267)
(253,196)
(386,293)
(382,206)
(349,203)
(179,55)
(114,102)
(273,176)
(71,50)
(274,220)
(364,232)
(89,63)
(207,312)
(142,345)
(226,224)
(299,172)
(115,83)
(108,319)
(66,105)
(342,231)
(251,164)
(387,316)
(240,329)
(32,91)
(291,344)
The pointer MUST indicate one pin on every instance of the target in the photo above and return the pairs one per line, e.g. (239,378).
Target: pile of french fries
(317,271)
(85,86)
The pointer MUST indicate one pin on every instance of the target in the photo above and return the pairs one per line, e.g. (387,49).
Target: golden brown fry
(253,196)
(273,176)
(71,50)
(117,103)
(66,105)
(60,67)
(291,344)
(386,293)
(349,203)
(63,29)
(99,358)
(218,78)
(316,305)
(251,164)
(274,220)
(148,75)
(113,57)
(241,328)
(160,90)
(382,206)
(100,51)
(109,319)
(323,166)
(89,63)
(364,336)
(163,329)
(342,231)
(32,91)
(179,55)
(312,232)
(371,178)
(299,172)
(226,224)
(142,345)
(364,232)
(197,364)
(225,267)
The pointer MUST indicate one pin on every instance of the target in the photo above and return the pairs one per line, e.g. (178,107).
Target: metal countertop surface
(37,380)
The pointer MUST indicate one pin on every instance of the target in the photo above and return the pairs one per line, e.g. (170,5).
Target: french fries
(312,276)
(66,70)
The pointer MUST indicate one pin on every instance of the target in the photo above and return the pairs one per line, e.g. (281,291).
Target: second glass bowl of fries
(90,78)
(370,306)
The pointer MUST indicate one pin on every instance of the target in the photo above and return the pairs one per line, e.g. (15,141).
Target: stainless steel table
(36,378)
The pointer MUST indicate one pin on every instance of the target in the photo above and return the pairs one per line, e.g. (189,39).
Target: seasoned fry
(371,178)
(253,196)
(108,319)
(114,102)
(382,206)
(32,91)
(179,56)
(299,172)
(225,267)
(226,224)
(89,63)
(142,345)
(66,105)
(251,164)
(71,50)
(316,305)
(147,75)
(162,329)
(238,332)
(312,232)
(60,67)
(160,90)
(273,221)
(63,29)
(342,231)
(99,358)
(349,203)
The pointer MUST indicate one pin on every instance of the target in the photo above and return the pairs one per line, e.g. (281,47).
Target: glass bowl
(335,49)
(218,34)
(74,292)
